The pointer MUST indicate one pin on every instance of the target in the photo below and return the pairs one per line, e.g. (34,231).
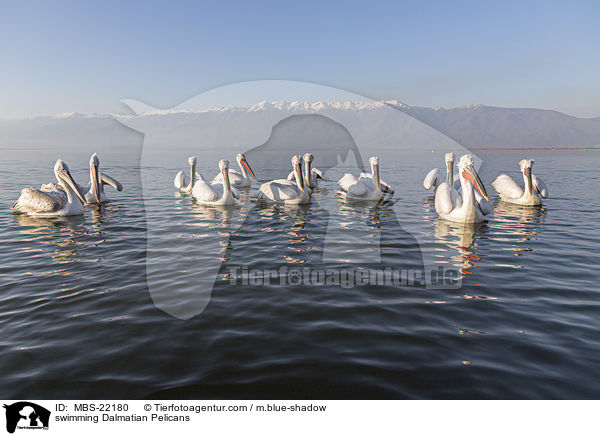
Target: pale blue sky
(77,56)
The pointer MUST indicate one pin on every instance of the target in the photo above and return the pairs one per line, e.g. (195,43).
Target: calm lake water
(78,319)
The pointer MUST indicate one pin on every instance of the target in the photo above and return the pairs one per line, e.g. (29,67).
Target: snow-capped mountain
(388,123)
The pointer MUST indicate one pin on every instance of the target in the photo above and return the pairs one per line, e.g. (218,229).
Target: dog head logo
(181,270)
(25,414)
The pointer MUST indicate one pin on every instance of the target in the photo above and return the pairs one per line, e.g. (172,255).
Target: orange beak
(248,168)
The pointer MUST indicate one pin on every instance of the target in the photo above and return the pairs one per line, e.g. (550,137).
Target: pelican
(311,175)
(35,202)
(215,194)
(284,190)
(237,179)
(94,192)
(433,179)
(95,189)
(184,184)
(512,193)
(367,187)
(462,208)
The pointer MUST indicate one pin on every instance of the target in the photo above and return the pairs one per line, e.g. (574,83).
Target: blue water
(78,320)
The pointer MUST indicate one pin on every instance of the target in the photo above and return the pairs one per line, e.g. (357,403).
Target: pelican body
(215,193)
(236,178)
(286,191)
(184,184)
(66,201)
(368,187)
(532,193)
(311,175)
(462,208)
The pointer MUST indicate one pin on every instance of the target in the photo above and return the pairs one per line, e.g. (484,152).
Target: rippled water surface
(78,320)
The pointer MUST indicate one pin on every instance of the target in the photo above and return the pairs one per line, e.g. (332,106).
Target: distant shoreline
(533,148)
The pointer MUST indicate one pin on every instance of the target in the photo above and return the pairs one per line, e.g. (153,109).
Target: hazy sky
(82,57)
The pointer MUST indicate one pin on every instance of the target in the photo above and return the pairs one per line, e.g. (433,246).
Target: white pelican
(286,191)
(367,187)
(54,203)
(237,179)
(463,209)
(184,184)
(215,194)
(512,193)
(94,192)
(434,178)
(311,175)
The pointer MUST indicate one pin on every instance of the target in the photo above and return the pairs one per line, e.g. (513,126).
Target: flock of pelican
(463,198)
(67,197)
(460,197)
(296,189)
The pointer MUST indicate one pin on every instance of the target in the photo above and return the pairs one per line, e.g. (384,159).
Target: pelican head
(308,157)
(241,160)
(449,157)
(297,166)
(526,165)
(95,176)
(192,160)
(467,171)
(374,161)
(64,177)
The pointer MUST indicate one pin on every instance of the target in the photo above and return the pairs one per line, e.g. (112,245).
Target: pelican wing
(279,190)
(203,191)
(32,200)
(432,179)
(105,179)
(181,180)
(385,187)
(540,186)
(446,199)
(506,187)
(349,184)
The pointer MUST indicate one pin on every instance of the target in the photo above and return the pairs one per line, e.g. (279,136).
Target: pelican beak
(71,182)
(471,175)
(95,181)
(376,177)
(527,173)
(247,166)
(299,176)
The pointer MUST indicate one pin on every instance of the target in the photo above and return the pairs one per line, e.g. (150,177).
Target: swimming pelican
(95,189)
(184,184)
(512,193)
(215,194)
(367,187)
(237,179)
(284,190)
(94,192)
(36,202)
(433,179)
(311,175)
(465,208)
